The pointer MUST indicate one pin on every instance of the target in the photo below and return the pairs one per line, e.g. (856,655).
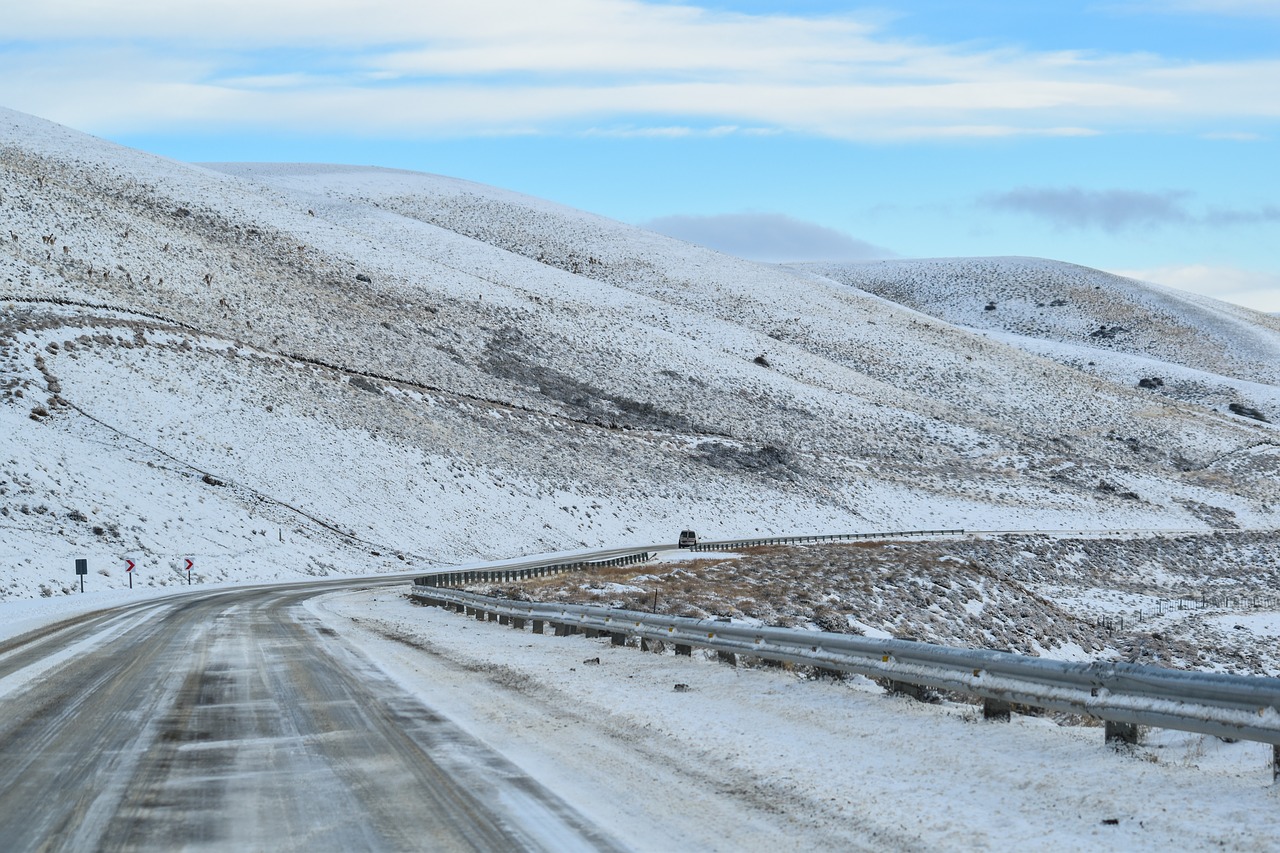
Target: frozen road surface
(336,716)
(236,720)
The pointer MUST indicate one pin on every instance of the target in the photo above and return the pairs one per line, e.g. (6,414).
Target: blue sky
(1132,135)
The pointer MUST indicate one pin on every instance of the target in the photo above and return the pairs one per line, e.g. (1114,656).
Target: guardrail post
(1121,734)
(537,626)
(728,657)
(902,688)
(996,709)
(517,623)
(618,639)
(503,619)
(682,649)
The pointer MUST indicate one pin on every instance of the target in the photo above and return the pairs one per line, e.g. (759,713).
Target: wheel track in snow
(193,720)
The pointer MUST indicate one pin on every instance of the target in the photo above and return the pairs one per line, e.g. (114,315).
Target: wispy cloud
(1119,209)
(771,237)
(1234,136)
(501,66)
(1233,8)
(677,132)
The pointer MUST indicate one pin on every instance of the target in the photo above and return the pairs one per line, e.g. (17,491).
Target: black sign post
(82,569)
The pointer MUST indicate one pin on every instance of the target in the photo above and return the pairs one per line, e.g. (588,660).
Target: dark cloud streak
(1110,210)
(1270,213)
(1119,210)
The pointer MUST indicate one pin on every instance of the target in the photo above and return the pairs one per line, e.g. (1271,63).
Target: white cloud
(771,237)
(1234,8)
(676,132)
(471,66)
(1234,136)
(1250,288)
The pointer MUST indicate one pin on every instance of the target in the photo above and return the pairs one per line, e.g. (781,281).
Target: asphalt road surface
(234,720)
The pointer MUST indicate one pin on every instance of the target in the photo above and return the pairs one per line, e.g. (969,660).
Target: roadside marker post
(189,565)
(129,570)
(82,569)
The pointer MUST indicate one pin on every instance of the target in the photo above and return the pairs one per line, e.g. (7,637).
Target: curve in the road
(234,720)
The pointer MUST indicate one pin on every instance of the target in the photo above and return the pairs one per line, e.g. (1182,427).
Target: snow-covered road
(335,715)
(235,720)
(763,759)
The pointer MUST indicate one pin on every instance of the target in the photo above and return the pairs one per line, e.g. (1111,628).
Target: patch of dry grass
(1001,593)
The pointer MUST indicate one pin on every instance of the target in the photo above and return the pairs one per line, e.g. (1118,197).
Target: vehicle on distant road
(688,539)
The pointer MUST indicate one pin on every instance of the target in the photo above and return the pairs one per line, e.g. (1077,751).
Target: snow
(820,763)
(1038,300)
(388,369)
(285,372)
(1259,624)
(13,682)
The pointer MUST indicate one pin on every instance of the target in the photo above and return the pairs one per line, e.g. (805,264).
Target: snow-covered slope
(1186,346)
(307,369)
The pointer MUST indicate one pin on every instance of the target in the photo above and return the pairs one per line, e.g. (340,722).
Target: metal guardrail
(1124,695)
(462,577)
(728,544)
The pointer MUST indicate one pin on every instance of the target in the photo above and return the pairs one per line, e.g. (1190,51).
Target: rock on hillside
(381,368)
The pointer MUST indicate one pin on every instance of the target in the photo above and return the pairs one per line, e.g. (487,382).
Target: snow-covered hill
(283,370)
(1185,346)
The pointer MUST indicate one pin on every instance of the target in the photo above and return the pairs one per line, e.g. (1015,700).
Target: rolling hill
(283,370)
